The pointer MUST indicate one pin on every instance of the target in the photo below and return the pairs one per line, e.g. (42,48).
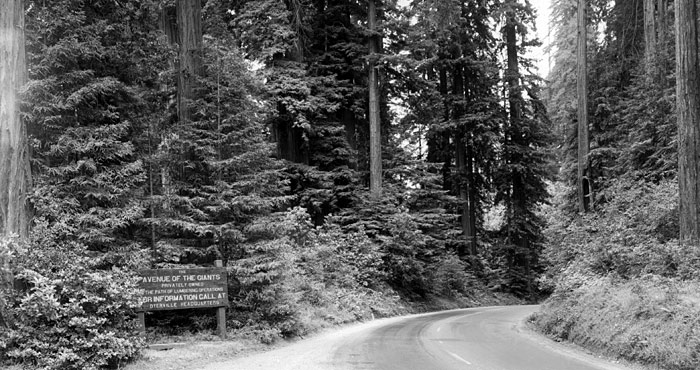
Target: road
(489,338)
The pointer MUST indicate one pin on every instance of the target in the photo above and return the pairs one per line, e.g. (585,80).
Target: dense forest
(345,160)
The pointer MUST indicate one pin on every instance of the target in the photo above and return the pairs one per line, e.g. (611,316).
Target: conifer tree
(462,134)
(87,69)
(688,103)
(520,178)
(375,147)
(15,174)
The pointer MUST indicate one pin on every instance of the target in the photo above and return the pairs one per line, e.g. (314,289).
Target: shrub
(295,278)
(450,277)
(70,315)
(622,283)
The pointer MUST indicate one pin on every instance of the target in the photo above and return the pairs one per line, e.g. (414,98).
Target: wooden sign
(173,289)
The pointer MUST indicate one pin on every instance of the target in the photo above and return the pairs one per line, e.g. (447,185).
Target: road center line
(459,358)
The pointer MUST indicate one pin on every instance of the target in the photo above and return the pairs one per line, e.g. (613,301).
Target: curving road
(489,338)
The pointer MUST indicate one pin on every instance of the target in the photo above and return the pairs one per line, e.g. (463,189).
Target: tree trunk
(650,40)
(585,191)
(688,106)
(471,199)
(518,195)
(661,26)
(445,135)
(189,22)
(15,173)
(463,177)
(375,145)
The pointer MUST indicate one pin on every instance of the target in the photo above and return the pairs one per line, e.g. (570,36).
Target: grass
(652,320)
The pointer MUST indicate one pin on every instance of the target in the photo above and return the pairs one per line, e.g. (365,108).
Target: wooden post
(142,322)
(220,312)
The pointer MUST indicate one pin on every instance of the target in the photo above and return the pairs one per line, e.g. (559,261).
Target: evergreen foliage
(269,170)
(217,172)
(520,178)
(89,175)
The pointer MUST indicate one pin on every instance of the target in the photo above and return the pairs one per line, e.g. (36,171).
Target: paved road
(491,338)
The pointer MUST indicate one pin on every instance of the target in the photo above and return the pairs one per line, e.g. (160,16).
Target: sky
(542,24)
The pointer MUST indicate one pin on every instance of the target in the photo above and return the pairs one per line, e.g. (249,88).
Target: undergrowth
(621,282)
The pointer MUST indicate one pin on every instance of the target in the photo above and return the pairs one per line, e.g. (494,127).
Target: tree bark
(445,136)
(463,183)
(471,199)
(518,194)
(15,173)
(189,22)
(585,191)
(650,39)
(688,106)
(375,145)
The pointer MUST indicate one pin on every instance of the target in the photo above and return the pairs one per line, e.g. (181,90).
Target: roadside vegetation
(340,181)
(623,270)
(622,285)
(336,181)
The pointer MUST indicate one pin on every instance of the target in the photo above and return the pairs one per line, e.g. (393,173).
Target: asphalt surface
(490,338)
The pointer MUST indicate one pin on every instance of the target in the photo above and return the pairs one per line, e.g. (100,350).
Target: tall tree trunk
(688,106)
(445,135)
(15,174)
(375,144)
(661,24)
(189,21)
(650,40)
(518,194)
(585,190)
(471,199)
(662,42)
(463,177)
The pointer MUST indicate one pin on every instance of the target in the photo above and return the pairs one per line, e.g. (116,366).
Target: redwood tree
(15,175)
(189,22)
(375,146)
(583,177)
(688,106)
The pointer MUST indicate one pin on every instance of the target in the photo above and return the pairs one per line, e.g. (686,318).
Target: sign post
(175,289)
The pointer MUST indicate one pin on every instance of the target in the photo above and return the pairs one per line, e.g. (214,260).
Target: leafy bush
(71,315)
